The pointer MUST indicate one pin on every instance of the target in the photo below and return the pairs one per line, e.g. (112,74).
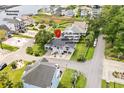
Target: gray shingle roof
(4,27)
(62,42)
(40,75)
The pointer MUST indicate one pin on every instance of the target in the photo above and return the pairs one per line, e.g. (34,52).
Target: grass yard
(80,50)
(22,36)
(90,53)
(111,85)
(14,75)
(66,81)
(9,47)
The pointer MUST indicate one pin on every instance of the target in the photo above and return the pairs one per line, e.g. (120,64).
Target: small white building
(41,75)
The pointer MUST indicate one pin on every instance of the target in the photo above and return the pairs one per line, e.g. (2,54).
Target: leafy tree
(43,37)
(71,7)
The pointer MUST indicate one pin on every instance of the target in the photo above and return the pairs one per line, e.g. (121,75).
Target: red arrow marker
(57,33)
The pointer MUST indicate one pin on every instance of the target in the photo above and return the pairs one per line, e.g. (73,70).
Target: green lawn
(80,50)
(90,53)
(112,85)
(81,83)
(66,81)
(9,47)
(22,36)
(14,75)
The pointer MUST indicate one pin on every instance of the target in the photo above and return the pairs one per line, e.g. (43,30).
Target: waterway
(23,10)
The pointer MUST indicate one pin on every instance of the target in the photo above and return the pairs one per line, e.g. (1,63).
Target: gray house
(16,25)
(61,46)
(41,75)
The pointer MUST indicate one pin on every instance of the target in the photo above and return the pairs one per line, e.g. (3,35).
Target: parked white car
(95,43)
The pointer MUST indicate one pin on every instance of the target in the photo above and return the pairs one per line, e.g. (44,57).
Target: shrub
(42,26)
(35,28)
(81,58)
(31,25)
(36,53)
(29,50)
(13,65)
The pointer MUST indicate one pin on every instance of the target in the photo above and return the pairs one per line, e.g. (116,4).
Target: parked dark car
(2,66)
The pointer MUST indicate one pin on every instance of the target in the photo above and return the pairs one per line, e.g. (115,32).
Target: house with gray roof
(41,75)
(61,46)
(70,36)
(76,31)
(16,25)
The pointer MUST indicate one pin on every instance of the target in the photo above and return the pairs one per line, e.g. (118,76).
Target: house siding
(56,78)
(26,85)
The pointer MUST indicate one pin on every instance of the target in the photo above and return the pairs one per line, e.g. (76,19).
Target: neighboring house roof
(69,13)
(4,27)
(77,27)
(13,21)
(40,74)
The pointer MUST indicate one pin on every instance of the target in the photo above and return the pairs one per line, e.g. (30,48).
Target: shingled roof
(40,75)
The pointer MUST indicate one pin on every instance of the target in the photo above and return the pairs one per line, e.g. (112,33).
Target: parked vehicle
(2,66)
(95,43)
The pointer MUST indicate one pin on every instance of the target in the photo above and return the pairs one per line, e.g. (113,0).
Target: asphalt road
(91,69)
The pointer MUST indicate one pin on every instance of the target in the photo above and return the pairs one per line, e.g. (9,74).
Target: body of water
(24,9)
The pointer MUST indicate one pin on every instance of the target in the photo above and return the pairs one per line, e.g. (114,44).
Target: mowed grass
(111,85)
(14,75)
(90,53)
(9,47)
(66,81)
(22,36)
(81,50)
(81,83)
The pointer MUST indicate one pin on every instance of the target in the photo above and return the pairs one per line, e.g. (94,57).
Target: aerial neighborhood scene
(61,46)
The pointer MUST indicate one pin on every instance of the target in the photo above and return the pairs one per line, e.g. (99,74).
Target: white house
(70,36)
(76,31)
(96,9)
(41,75)
(85,10)
(69,13)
